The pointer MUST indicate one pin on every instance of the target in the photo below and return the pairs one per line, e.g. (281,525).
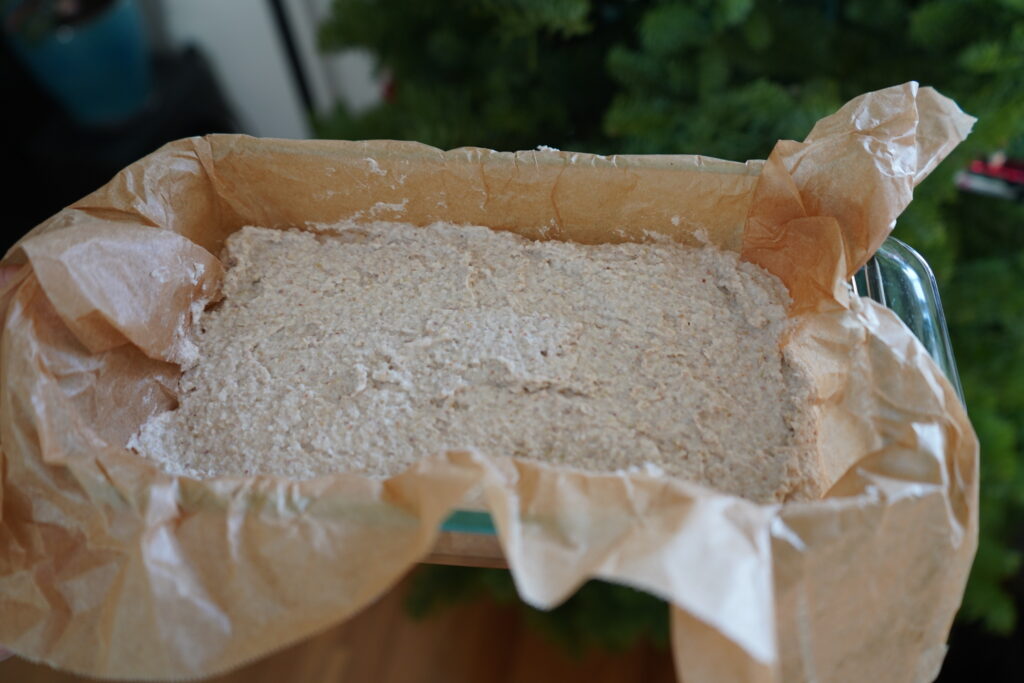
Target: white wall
(346,76)
(242,43)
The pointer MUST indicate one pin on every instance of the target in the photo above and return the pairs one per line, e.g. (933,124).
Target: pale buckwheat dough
(366,349)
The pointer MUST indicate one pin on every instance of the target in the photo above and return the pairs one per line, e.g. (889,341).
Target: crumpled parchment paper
(109,567)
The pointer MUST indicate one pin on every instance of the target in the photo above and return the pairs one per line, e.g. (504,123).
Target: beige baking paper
(109,567)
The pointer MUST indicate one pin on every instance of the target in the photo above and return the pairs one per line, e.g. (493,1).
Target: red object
(1011,171)
(388,90)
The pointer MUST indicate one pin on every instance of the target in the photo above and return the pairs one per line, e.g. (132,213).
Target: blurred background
(91,86)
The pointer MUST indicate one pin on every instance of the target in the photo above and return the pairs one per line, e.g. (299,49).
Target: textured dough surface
(367,348)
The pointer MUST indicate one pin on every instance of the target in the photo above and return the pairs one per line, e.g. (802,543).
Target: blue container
(98,70)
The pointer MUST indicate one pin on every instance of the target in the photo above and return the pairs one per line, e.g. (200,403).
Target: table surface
(477,641)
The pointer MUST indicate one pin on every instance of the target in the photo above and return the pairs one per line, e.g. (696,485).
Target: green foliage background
(728,78)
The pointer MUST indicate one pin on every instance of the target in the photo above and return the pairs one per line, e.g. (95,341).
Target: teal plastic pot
(98,70)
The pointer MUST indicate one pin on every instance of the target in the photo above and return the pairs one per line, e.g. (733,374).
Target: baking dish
(165,577)
(899,278)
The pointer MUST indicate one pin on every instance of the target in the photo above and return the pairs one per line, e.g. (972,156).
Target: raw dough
(367,348)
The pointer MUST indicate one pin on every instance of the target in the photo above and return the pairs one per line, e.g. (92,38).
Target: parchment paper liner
(109,567)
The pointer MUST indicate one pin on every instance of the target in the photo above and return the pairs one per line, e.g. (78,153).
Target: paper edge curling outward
(103,558)
(857,168)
